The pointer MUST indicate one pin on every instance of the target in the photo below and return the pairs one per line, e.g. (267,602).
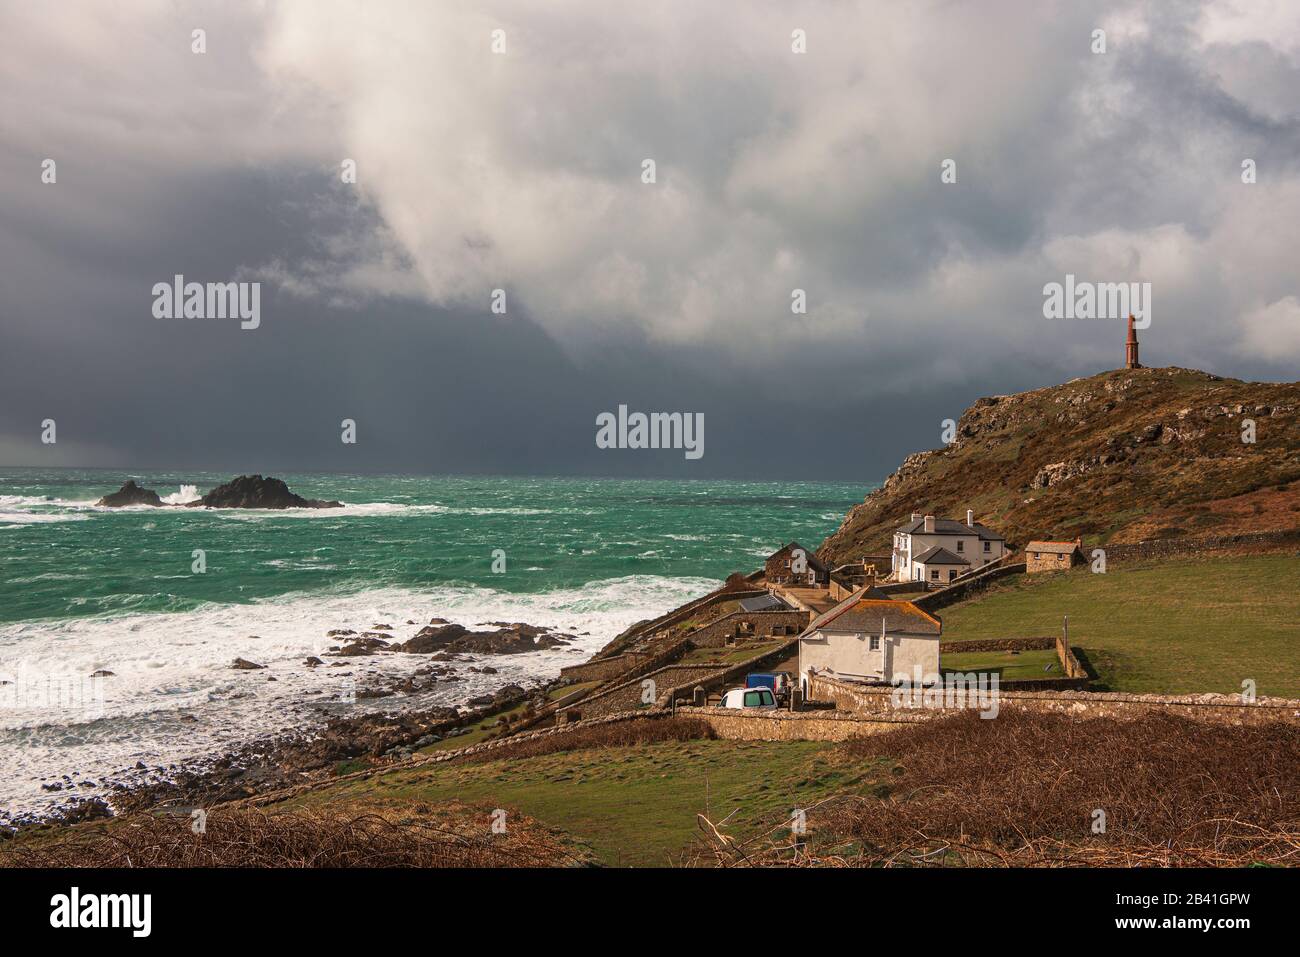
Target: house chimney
(970,518)
(916,516)
(929,524)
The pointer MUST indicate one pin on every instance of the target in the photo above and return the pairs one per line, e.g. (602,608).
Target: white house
(937,550)
(867,639)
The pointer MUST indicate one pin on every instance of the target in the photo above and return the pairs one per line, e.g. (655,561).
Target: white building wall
(849,654)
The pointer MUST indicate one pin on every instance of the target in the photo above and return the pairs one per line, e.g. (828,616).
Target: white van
(749,698)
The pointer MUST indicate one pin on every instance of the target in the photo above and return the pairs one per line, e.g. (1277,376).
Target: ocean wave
(19,519)
(166,665)
(187,493)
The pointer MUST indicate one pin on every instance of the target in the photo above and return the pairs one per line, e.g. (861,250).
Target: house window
(988,546)
(952,573)
(934,574)
(961,545)
(1034,555)
(875,642)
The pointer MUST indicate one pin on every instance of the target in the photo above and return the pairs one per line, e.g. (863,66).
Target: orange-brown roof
(873,615)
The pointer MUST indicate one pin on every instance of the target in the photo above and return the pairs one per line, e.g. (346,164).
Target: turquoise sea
(85,589)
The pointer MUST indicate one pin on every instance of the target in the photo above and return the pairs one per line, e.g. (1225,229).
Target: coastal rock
(433,638)
(254,491)
(365,645)
(103,673)
(243,664)
(130,494)
(313,662)
(515,638)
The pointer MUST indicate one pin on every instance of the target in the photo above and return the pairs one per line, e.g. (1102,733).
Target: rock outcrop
(130,494)
(1122,456)
(513,638)
(254,491)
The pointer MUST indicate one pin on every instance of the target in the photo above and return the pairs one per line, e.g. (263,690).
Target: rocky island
(246,491)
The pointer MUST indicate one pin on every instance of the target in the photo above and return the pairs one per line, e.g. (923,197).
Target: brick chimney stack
(916,516)
(929,525)
(970,518)
(1131,351)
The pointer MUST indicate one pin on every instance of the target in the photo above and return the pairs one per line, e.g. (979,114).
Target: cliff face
(1122,456)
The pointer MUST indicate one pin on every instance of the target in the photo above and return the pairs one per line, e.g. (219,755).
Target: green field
(1009,665)
(636,806)
(1172,626)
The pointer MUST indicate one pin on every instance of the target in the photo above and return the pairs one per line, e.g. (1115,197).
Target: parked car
(761,698)
(779,681)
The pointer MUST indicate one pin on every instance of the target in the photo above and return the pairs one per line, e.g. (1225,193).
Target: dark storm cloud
(775,171)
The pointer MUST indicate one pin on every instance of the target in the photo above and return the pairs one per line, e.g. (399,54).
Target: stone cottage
(1053,556)
(796,565)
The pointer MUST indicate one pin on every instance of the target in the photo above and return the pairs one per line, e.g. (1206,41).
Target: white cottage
(867,639)
(937,550)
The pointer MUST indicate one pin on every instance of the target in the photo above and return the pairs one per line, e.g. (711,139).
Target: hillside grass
(634,805)
(1176,627)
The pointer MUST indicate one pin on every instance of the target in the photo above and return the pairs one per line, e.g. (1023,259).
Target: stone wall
(965,588)
(732,675)
(602,669)
(685,612)
(765,623)
(1218,708)
(1193,546)
(745,724)
(997,644)
(627,695)
(893,587)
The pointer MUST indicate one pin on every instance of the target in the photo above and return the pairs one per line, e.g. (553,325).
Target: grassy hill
(1117,457)
(1171,627)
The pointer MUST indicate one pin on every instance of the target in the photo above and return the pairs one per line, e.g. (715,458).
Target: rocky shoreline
(310,753)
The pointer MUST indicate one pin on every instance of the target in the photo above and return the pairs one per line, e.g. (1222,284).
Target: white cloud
(1272,332)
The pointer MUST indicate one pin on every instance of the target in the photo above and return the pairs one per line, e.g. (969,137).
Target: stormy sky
(521,168)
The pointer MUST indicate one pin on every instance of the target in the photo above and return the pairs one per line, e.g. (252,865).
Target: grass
(1175,627)
(1009,666)
(634,805)
(732,655)
(563,691)
(489,726)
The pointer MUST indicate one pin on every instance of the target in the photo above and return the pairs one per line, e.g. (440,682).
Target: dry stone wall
(748,725)
(1218,708)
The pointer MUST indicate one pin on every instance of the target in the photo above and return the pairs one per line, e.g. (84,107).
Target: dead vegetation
(1025,791)
(617,734)
(409,834)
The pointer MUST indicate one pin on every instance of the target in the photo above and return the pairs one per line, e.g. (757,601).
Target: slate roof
(768,602)
(950,526)
(938,555)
